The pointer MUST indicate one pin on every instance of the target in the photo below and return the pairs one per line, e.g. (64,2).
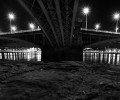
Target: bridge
(20,32)
(33,37)
(90,37)
(95,38)
(61,25)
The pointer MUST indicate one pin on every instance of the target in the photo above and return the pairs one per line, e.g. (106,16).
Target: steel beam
(48,18)
(31,14)
(59,19)
(73,19)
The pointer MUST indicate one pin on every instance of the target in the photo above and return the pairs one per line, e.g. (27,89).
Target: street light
(97,26)
(116,17)
(13,28)
(32,26)
(86,11)
(39,28)
(11,16)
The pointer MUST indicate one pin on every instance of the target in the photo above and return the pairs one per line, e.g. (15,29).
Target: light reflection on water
(108,58)
(31,54)
(22,56)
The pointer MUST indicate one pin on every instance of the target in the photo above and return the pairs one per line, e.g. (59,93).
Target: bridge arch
(112,43)
(12,42)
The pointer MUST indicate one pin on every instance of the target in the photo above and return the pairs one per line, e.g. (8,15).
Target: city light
(13,28)
(32,26)
(116,29)
(116,16)
(23,53)
(11,17)
(97,26)
(39,28)
(86,11)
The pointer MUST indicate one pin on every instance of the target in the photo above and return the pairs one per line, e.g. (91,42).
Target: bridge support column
(74,52)
(68,54)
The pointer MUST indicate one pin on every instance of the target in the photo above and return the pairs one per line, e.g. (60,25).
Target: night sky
(101,12)
(22,17)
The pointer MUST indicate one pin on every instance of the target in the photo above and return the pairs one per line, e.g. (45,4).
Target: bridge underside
(15,43)
(59,21)
(111,43)
(34,37)
(99,39)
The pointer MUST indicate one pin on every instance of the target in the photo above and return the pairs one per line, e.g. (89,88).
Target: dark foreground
(70,80)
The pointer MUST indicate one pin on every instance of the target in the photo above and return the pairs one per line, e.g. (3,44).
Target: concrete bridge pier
(60,54)
(66,53)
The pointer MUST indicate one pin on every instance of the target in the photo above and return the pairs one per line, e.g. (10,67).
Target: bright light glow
(116,16)
(97,26)
(11,16)
(39,28)
(13,28)
(116,29)
(32,26)
(86,10)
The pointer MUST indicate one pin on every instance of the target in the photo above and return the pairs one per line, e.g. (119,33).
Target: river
(103,58)
(35,54)
(24,54)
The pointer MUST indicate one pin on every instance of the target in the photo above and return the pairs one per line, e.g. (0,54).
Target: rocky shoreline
(66,80)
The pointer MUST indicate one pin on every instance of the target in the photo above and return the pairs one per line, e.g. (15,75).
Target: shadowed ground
(69,80)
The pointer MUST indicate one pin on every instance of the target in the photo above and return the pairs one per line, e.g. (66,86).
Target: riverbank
(67,80)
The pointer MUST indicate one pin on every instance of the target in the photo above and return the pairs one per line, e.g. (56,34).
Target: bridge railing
(21,31)
(24,31)
(99,31)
